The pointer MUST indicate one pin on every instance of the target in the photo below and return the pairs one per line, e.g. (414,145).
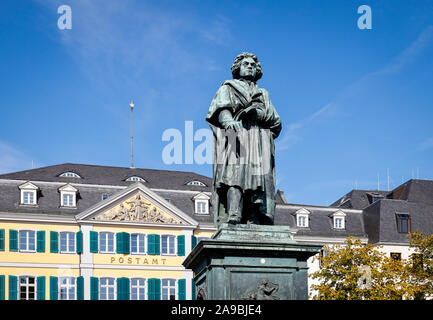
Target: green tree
(420,265)
(357,271)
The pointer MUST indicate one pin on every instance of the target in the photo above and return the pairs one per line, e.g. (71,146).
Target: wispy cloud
(292,133)
(426,144)
(12,159)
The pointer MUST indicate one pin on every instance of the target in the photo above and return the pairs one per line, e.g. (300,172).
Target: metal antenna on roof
(387,174)
(378,181)
(131,105)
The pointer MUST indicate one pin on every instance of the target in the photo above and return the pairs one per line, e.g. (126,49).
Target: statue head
(247,66)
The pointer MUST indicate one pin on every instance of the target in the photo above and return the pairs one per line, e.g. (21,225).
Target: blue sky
(354,103)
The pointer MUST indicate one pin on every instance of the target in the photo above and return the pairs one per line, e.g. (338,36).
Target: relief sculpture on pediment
(138,210)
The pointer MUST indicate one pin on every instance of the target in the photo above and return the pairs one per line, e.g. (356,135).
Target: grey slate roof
(357,199)
(114,176)
(320,222)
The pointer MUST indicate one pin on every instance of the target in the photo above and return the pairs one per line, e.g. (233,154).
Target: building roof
(113,176)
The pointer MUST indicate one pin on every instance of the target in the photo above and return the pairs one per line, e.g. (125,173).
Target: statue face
(248,69)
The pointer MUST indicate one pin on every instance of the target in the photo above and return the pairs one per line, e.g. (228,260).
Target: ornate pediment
(137,209)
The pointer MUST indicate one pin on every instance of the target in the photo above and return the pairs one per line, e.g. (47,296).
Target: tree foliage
(357,271)
(420,265)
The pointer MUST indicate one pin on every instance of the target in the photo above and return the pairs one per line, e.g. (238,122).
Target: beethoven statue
(244,123)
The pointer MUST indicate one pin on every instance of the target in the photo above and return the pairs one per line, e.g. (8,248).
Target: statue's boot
(234,205)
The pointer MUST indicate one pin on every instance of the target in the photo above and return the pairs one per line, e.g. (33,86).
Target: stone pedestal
(251,262)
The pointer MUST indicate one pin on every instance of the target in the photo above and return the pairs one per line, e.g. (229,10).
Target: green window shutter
(181,289)
(80,288)
(2,287)
(13,240)
(40,246)
(2,239)
(54,242)
(122,242)
(126,243)
(151,244)
(193,242)
(157,245)
(94,241)
(13,283)
(122,289)
(94,288)
(192,289)
(154,289)
(40,288)
(54,288)
(181,245)
(79,241)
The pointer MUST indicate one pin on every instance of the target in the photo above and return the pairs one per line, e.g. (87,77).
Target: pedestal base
(251,262)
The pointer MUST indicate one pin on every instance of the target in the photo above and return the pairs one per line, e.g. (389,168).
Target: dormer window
(28,194)
(135,178)
(201,203)
(339,220)
(302,220)
(374,197)
(196,183)
(68,196)
(70,174)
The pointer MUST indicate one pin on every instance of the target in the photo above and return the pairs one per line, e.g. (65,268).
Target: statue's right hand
(233,125)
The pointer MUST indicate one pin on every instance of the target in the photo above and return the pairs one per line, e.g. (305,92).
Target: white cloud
(12,159)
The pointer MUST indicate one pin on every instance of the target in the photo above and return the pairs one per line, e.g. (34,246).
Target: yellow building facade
(129,246)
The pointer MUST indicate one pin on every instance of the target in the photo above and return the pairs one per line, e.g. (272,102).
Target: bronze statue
(245,124)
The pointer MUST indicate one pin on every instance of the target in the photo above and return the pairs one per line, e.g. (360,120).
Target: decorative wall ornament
(139,210)
(265,290)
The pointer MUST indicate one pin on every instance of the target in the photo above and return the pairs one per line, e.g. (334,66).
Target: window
(70,174)
(67,288)
(196,183)
(67,242)
(106,242)
(27,241)
(338,223)
(168,289)
(201,206)
(29,197)
(138,244)
(403,223)
(27,288)
(68,200)
(138,289)
(302,221)
(135,178)
(322,255)
(104,196)
(167,244)
(29,194)
(68,196)
(396,256)
(106,289)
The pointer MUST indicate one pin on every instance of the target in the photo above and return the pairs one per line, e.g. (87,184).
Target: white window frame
(168,245)
(99,242)
(27,286)
(68,190)
(136,179)
(175,288)
(27,241)
(131,287)
(302,213)
(145,243)
(107,286)
(196,183)
(69,174)
(30,188)
(336,216)
(68,286)
(73,235)
(206,206)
